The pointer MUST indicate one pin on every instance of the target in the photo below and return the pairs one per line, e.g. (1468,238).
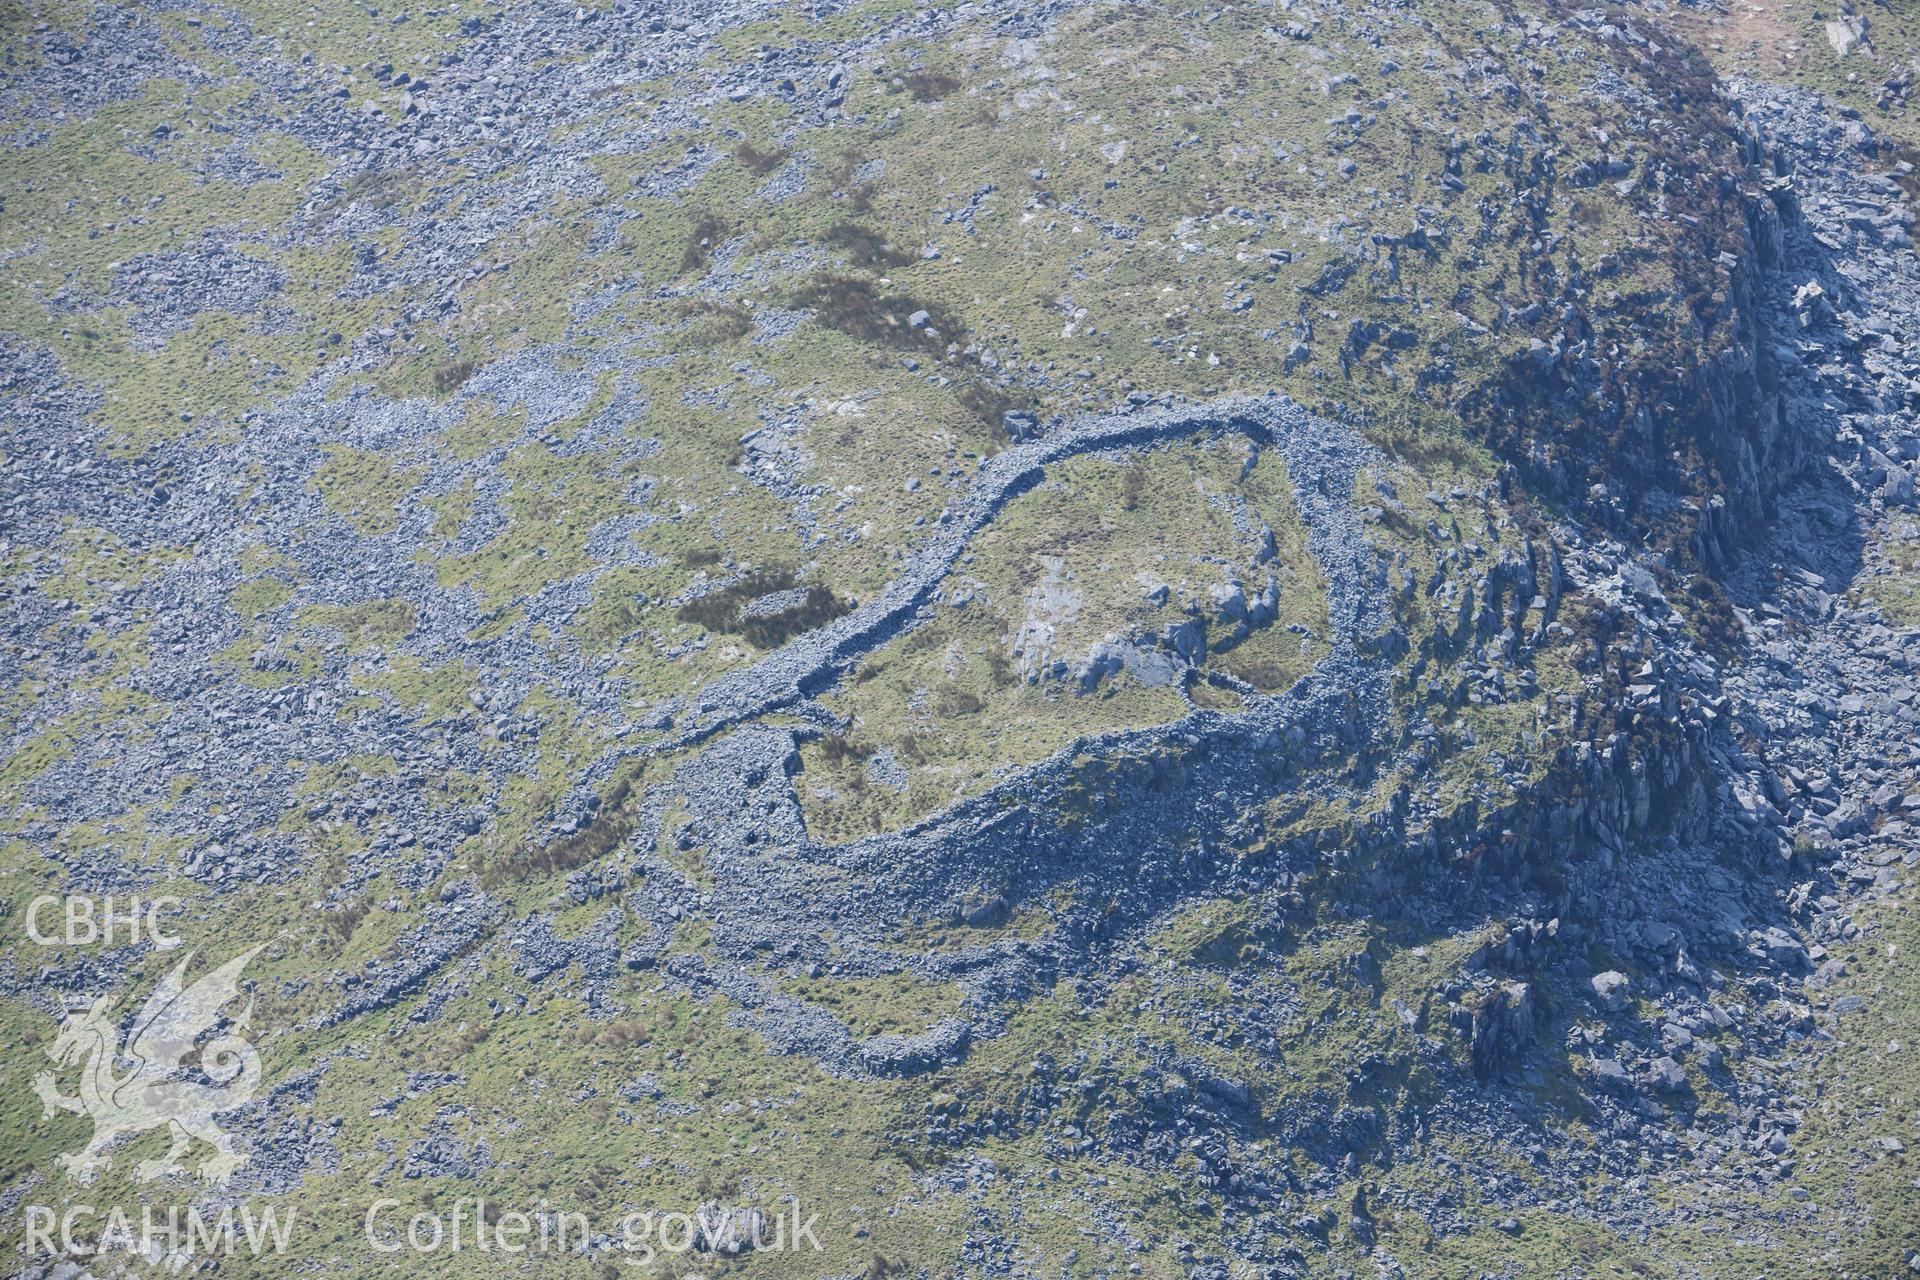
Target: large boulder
(1612,990)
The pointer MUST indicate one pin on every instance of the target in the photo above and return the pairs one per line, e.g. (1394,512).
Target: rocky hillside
(1276,640)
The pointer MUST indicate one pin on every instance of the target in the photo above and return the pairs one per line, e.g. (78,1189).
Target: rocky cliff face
(1094,639)
(1666,420)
